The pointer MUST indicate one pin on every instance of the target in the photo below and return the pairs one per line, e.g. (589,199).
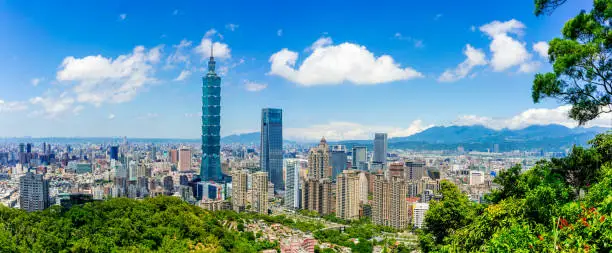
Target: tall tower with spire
(210,169)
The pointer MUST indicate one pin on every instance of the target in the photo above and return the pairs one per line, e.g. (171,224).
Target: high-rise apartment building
(210,168)
(292,184)
(380,149)
(317,195)
(348,192)
(318,161)
(174,156)
(33,192)
(415,170)
(360,158)
(418,214)
(389,204)
(271,159)
(184,163)
(260,192)
(338,160)
(239,190)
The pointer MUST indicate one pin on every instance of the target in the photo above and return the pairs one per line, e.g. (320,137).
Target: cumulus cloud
(53,106)
(350,131)
(175,12)
(540,116)
(529,67)
(12,106)
(507,51)
(416,42)
(253,86)
(111,116)
(221,50)
(183,75)
(180,54)
(122,16)
(279,32)
(77,109)
(106,80)
(335,64)
(474,57)
(321,42)
(541,48)
(36,81)
(438,16)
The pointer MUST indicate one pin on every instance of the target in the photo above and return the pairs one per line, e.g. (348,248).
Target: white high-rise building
(292,184)
(418,214)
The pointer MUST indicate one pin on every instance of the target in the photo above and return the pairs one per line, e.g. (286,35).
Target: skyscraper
(347,195)
(318,161)
(210,168)
(184,163)
(272,146)
(389,204)
(260,192)
(360,158)
(338,159)
(239,189)
(380,148)
(174,156)
(114,153)
(33,192)
(292,186)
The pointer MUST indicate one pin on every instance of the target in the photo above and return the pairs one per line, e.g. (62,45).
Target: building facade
(317,195)
(380,149)
(271,159)
(389,204)
(184,159)
(260,192)
(318,161)
(360,158)
(210,168)
(348,193)
(292,184)
(338,160)
(33,192)
(239,190)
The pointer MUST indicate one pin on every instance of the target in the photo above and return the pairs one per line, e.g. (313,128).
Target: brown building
(174,156)
(318,161)
(348,193)
(317,195)
(389,204)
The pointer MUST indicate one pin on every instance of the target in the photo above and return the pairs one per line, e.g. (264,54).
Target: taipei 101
(303,127)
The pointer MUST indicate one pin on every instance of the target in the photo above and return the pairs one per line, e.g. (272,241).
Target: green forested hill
(161,224)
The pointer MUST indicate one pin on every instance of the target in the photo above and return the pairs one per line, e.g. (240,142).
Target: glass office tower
(271,159)
(210,169)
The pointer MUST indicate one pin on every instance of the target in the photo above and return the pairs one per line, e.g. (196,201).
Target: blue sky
(343,69)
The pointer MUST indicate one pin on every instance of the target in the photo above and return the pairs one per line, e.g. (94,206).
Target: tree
(581,61)
(547,6)
(444,217)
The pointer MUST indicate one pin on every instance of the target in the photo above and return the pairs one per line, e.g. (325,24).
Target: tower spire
(211,61)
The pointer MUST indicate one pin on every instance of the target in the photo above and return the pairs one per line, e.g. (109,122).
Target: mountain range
(477,138)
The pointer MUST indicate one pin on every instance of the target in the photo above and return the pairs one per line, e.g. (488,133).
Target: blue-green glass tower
(210,169)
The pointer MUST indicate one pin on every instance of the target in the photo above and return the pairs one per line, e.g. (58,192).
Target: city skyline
(144,84)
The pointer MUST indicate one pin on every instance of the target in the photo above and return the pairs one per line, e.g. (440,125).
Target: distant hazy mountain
(480,138)
(247,138)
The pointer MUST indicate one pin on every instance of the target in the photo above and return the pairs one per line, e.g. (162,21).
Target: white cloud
(12,106)
(541,48)
(105,80)
(253,86)
(122,16)
(529,67)
(231,27)
(149,115)
(221,50)
(183,75)
(350,131)
(193,115)
(438,16)
(507,51)
(336,64)
(279,32)
(111,116)
(36,81)
(473,28)
(180,54)
(416,42)
(541,116)
(321,42)
(77,109)
(175,12)
(53,106)
(474,57)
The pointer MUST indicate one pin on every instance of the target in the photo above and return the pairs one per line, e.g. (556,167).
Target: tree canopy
(581,62)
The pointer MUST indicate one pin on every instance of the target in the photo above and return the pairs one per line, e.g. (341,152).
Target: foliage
(534,211)
(547,6)
(581,65)
(160,224)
